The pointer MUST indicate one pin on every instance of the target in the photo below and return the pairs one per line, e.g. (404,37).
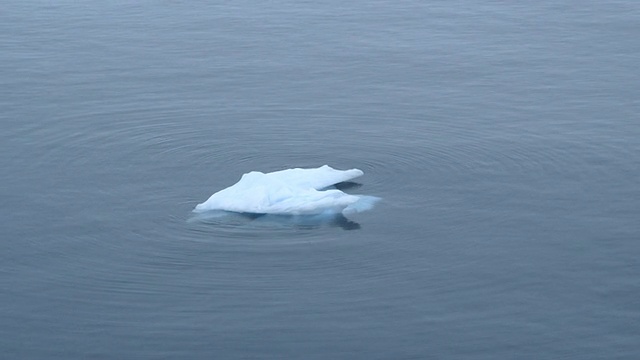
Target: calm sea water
(503,137)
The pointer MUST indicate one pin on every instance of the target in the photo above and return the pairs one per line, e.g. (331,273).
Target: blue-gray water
(503,137)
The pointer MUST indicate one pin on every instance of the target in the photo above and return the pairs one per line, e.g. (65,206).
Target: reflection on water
(262,222)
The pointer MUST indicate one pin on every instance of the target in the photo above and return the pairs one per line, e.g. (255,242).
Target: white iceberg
(290,192)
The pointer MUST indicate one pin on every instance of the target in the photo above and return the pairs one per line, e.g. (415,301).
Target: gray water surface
(503,138)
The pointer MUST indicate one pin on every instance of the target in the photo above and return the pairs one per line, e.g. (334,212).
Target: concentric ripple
(133,151)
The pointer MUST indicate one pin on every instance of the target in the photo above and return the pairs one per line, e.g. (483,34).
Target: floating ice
(290,192)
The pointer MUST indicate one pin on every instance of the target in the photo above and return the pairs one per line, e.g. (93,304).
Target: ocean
(502,137)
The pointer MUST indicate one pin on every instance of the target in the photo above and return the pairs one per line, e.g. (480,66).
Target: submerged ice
(290,192)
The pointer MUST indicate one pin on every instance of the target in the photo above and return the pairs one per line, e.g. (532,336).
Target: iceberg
(290,192)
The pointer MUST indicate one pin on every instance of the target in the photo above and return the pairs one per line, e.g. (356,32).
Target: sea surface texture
(503,138)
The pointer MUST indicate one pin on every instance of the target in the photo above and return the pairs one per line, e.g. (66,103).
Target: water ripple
(131,150)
